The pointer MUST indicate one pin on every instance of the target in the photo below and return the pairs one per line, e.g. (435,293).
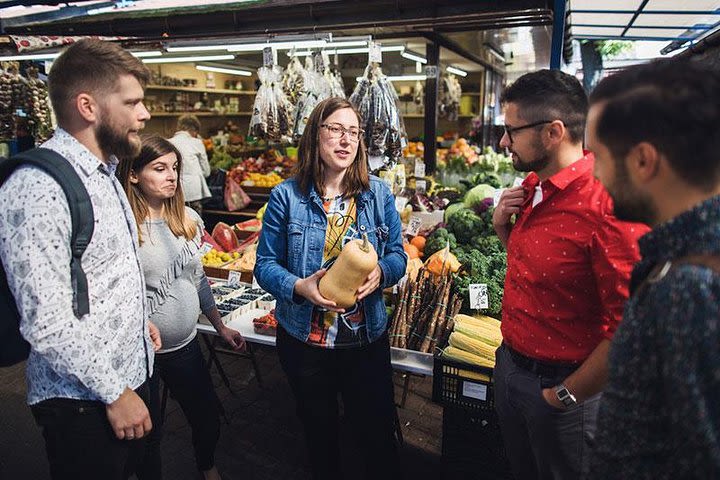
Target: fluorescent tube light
(402,78)
(457,71)
(413,56)
(196,58)
(230,71)
(349,51)
(34,56)
(258,47)
(154,53)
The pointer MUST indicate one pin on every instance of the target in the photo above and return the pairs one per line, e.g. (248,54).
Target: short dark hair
(673,105)
(93,66)
(550,95)
(310,167)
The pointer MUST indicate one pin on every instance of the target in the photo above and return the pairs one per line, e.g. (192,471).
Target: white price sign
(419,168)
(478,293)
(420,186)
(375,54)
(414,225)
(400,203)
(205,248)
(477,391)
(233,280)
(496,196)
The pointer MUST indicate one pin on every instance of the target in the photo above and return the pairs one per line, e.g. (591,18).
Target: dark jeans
(541,441)
(80,442)
(363,378)
(188,380)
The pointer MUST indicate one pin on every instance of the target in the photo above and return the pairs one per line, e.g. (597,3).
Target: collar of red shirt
(564,177)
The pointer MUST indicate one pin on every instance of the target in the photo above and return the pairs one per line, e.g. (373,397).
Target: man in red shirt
(569,263)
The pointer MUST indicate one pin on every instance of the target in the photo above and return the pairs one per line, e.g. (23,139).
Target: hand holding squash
(351,271)
(371,283)
(308,288)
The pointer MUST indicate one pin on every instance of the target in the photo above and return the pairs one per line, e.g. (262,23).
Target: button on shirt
(569,263)
(97,356)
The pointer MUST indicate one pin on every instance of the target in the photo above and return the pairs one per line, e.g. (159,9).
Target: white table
(401,359)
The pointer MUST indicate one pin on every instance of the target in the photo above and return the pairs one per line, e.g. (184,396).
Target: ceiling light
(197,58)
(401,78)
(35,56)
(146,54)
(413,56)
(229,71)
(457,71)
(257,47)
(349,51)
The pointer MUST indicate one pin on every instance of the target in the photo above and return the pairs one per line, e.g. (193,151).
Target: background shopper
(195,161)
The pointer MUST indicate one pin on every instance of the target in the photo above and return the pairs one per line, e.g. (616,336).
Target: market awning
(680,22)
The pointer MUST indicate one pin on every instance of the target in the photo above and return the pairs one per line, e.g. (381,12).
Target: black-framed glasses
(335,130)
(511,130)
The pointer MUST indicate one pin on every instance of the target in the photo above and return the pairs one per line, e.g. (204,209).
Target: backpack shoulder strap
(81,211)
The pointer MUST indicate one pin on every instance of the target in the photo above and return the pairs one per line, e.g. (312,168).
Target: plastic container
(464,386)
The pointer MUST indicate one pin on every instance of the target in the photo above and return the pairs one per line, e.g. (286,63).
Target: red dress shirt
(569,264)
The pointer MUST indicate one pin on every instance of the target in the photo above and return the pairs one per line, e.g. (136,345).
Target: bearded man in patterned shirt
(86,376)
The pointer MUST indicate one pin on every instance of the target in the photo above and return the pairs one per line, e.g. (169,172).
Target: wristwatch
(564,395)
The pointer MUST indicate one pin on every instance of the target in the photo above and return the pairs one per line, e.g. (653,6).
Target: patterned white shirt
(97,356)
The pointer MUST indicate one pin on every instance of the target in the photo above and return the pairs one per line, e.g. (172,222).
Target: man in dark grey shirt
(653,131)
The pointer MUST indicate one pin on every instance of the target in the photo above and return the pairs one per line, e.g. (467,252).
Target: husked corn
(472,345)
(455,353)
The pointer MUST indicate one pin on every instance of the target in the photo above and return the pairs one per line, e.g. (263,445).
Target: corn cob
(472,345)
(455,353)
(492,338)
(480,320)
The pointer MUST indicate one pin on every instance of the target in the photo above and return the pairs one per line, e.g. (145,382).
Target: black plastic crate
(460,385)
(472,446)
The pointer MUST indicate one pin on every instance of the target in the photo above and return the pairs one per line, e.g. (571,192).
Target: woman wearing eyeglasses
(325,350)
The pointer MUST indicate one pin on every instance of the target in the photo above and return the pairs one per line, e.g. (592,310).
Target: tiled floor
(262,439)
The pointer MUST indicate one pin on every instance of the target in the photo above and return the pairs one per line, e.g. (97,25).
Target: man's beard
(629,204)
(539,163)
(114,142)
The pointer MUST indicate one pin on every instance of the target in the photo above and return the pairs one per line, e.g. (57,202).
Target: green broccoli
(438,240)
(465,225)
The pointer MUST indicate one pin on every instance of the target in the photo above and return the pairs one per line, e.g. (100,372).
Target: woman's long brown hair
(154,147)
(310,167)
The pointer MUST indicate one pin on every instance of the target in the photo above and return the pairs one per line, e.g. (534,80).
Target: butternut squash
(355,262)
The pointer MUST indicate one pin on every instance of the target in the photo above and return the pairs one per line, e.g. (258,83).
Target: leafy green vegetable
(477,194)
(488,268)
(465,225)
(438,240)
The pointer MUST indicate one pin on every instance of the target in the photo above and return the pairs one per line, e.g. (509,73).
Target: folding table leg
(251,354)
(213,359)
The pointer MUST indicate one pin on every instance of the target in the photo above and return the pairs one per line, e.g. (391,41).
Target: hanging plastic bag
(235,196)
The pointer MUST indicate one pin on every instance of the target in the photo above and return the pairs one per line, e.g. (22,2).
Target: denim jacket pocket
(294,246)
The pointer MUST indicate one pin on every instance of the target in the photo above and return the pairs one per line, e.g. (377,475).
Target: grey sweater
(176,286)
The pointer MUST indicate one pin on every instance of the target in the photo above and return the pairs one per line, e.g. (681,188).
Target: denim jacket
(292,242)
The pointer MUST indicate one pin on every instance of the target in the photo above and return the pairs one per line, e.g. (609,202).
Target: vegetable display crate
(464,386)
(472,446)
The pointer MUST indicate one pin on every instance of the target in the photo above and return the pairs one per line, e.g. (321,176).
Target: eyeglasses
(335,130)
(510,130)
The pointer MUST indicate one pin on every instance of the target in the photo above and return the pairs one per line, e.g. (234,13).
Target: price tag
(419,168)
(475,390)
(233,280)
(400,203)
(375,54)
(496,196)
(414,225)
(420,186)
(518,182)
(478,293)
(255,283)
(268,57)
(376,162)
(431,71)
(205,248)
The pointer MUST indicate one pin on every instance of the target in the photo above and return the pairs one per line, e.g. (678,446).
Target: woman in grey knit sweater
(176,292)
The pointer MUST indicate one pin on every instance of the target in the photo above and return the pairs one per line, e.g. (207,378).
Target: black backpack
(13,347)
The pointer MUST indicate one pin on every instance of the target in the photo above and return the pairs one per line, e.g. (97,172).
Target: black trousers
(363,378)
(80,442)
(189,382)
